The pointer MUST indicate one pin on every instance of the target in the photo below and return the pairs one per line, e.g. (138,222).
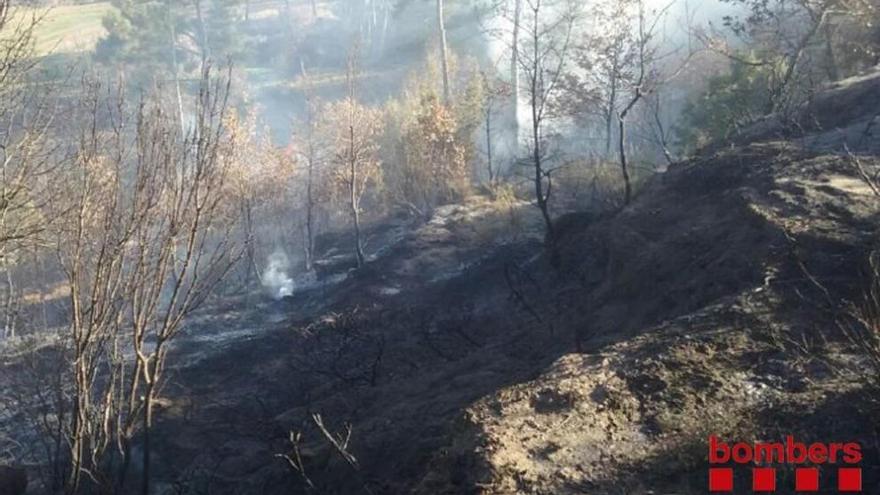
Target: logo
(839,462)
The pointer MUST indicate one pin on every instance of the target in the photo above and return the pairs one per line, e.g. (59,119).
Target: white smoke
(275,278)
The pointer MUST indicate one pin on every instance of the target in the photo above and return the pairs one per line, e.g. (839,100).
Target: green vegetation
(730,102)
(66,28)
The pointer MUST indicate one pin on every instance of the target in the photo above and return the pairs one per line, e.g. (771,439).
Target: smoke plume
(275,278)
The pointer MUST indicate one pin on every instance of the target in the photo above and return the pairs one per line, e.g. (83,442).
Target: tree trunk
(310,208)
(609,112)
(489,144)
(514,73)
(831,62)
(253,270)
(624,168)
(541,196)
(444,51)
(175,68)
(359,249)
(203,34)
(148,424)
(123,468)
(77,440)
(354,202)
(10,309)
(661,130)
(609,117)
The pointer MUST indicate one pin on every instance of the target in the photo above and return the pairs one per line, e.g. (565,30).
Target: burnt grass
(399,366)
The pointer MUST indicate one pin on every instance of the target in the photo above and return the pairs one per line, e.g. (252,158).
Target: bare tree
(147,238)
(603,58)
(543,55)
(310,149)
(644,59)
(311,165)
(183,254)
(647,77)
(659,128)
(355,129)
(26,155)
(90,247)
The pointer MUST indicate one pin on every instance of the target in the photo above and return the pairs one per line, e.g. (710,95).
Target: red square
(806,480)
(764,480)
(849,479)
(720,479)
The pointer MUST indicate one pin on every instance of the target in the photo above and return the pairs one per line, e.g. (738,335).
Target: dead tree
(146,239)
(184,247)
(647,79)
(543,56)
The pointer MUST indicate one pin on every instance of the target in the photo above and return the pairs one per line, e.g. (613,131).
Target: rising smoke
(275,279)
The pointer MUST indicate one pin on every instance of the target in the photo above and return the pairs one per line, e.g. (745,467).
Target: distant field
(67,28)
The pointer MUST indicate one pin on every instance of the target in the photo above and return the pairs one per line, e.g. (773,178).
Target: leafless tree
(645,54)
(659,128)
(355,129)
(26,155)
(543,54)
(147,238)
(647,78)
(311,152)
(603,58)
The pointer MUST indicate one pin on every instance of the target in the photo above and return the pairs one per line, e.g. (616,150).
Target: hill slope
(709,306)
(698,316)
(712,305)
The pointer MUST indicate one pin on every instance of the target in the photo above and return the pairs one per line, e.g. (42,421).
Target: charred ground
(710,305)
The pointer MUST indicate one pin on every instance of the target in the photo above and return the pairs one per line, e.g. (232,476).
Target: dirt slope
(709,306)
(696,318)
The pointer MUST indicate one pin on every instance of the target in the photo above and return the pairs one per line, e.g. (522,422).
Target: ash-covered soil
(706,307)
